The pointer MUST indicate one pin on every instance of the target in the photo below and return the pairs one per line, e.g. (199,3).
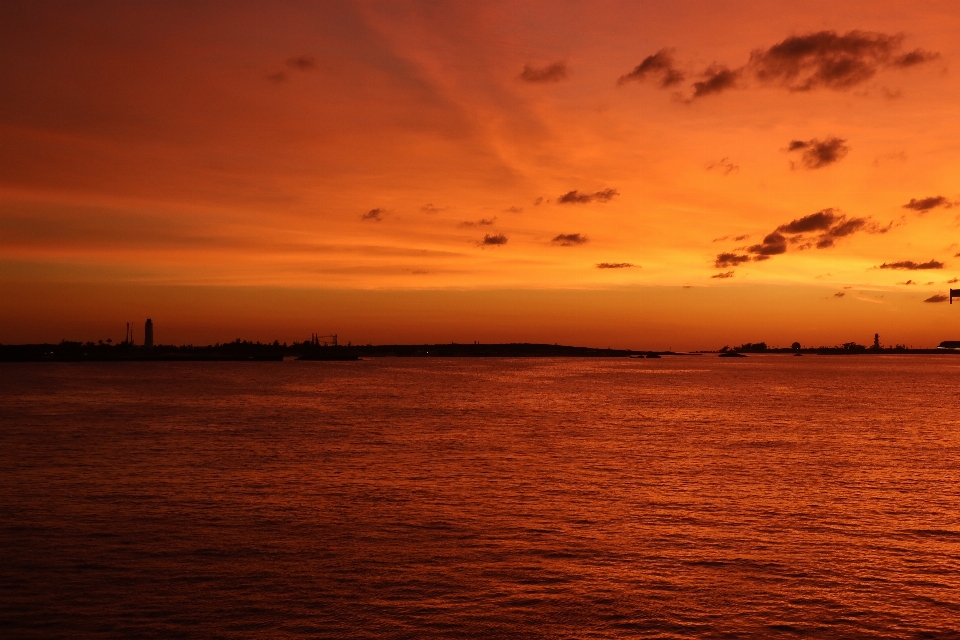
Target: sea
(686,497)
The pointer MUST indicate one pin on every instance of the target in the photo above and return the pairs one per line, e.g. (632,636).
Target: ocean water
(684,497)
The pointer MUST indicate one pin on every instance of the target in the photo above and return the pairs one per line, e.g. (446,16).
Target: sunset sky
(637,174)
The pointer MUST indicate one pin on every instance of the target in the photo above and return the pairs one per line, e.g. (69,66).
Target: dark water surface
(687,497)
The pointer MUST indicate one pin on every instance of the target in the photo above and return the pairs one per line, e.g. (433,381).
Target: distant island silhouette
(242,350)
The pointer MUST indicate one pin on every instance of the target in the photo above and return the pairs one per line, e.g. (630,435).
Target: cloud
(953,281)
(303,62)
(839,294)
(514,209)
(569,239)
(907,282)
(923,205)
(773,244)
(537,202)
(724,166)
(429,208)
(614,265)
(823,59)
(819,153)
(277,77)
(659,65)
(910,265)
(493,240)
(575,197)
(716,79)
(723,275)
(827,59)
(482,222)
(374,214)
(725,260)
(937,298)
(551,73)
(821,230)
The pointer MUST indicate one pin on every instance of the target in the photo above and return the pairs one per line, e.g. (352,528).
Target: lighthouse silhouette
(148,334)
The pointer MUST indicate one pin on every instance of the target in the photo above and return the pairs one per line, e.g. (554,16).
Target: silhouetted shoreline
(261,352)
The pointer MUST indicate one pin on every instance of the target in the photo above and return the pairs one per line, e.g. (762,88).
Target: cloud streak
(923,205)
(615,265)
(375,215)
(576,197)
(569,239)
(910,265)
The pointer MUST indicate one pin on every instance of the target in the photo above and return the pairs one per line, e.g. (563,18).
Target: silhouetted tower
(876,341)
(148,334)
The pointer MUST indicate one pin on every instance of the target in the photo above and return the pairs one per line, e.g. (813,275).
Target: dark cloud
(429,208)
(953,281)
(514,209)
(575,197)
(915,57)
(743,237)
(819,153)
(819,221)
(821,230)
(537,202)
(839,294)
(724,166)
(374,214)
(725,260)
(303,62)
(419,272)
(773,244)
(551,73)
(497,239)
(716,78)
(828,59)
(910,265)
(723,275)
(482,222)
(659,65)
(926,204)
(937,298)
(799,63)
(615,265)
(907,282)
(569,239)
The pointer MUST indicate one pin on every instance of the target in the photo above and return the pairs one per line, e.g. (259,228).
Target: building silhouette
(148,334)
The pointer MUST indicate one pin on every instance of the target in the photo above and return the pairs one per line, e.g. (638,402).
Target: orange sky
(269,171)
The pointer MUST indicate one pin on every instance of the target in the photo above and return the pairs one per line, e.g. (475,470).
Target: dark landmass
(259,352)
(256,351)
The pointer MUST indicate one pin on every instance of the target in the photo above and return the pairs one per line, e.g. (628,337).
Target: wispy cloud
(615,265)
(482,222)
(576,197)
(910,265)
(723,275)
(376,215)
(725,166)
(569,239)
(939,297)
(303,62)
(923,205)
(551,73)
